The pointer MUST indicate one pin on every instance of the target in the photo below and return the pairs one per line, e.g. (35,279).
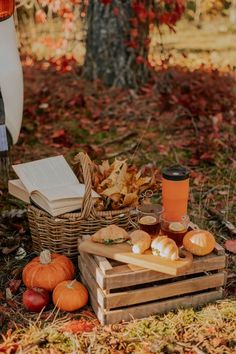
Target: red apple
(35,299)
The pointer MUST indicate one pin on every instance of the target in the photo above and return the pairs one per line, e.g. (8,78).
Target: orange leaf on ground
(80,326)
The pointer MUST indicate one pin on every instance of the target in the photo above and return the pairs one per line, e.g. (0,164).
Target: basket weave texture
(60,234)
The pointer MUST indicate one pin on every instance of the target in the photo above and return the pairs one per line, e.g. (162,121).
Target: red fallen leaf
(78,100)
(80,326)
(230,245)
(14,285)
(116,11)
(207,156)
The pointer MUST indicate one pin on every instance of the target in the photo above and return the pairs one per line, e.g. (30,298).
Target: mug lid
(175,173)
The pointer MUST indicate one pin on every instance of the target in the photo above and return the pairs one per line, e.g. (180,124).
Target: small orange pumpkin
(199,242)
(47,270)
(70,295)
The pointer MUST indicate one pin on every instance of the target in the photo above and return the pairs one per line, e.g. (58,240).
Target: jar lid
(175,173)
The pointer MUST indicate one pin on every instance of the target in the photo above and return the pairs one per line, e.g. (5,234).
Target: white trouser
(11,78)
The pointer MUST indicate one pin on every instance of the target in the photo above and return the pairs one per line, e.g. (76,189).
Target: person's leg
(5,143)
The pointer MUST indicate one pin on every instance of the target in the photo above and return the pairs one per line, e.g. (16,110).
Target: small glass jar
(149,218)
(175,229)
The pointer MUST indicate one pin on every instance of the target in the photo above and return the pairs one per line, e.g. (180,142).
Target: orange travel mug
(175,192)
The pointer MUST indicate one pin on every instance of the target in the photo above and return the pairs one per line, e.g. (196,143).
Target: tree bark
(109,57)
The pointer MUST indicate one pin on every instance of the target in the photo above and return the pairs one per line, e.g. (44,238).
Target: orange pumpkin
(47,270)
(199,242)
(70,295)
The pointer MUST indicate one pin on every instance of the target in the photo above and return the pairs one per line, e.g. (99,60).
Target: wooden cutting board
(122,253)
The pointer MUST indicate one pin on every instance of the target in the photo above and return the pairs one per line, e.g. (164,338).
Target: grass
(209,330)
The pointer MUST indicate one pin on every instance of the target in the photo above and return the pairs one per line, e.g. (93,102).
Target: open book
(50,183)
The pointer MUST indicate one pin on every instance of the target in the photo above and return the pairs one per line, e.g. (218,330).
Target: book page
(18,190)
(62,196)
(46,173)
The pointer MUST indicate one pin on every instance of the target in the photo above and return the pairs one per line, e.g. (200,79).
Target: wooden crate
(118,292)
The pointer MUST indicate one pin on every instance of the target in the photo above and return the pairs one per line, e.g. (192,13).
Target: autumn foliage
(144,13)
(160,12)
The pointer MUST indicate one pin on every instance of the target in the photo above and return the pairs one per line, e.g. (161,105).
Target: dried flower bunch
(119,184)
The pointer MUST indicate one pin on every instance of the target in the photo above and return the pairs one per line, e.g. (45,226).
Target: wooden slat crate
(122,292)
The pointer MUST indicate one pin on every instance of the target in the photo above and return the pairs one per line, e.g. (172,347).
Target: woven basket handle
(87,204)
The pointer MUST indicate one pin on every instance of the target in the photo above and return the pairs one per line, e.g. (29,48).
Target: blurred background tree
(108,38)
(117,33)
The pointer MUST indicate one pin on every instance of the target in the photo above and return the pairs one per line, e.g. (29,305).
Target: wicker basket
(60,234)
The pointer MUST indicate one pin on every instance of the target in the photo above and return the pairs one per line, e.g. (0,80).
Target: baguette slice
(164,246)
(140,240)
(110,234)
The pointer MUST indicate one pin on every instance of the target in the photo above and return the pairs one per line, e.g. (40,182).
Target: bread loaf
(140,240)
(165,247)
(110,234)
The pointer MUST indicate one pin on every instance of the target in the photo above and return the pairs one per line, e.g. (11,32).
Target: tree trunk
(109,55)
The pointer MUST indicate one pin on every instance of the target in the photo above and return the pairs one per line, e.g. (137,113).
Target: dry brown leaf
(138,174)
(130,199)
(143,180)
(118,184)
(121,176)
(112,190)
(116,197)
(124,190)
(104,168)
(116,206)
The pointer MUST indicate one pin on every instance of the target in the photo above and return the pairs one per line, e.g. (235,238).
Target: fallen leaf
(12,303)
(9,295)
(8,250)
(230,245)
(14,285)
(80,326)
